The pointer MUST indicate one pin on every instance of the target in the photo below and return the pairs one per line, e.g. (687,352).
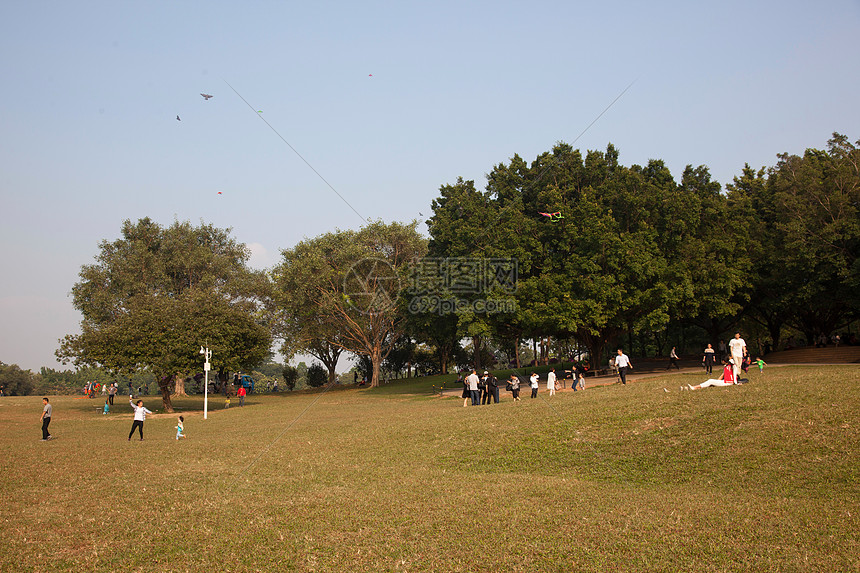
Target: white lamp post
(207,354)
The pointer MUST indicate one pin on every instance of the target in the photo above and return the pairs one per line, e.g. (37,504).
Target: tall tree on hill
(157,294)
(346,286)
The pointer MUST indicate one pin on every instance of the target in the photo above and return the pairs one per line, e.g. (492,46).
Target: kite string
(547,168)
(260,115)
(285,430)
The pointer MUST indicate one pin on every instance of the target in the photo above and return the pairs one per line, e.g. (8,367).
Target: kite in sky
(207,96)
(370,75)
(553,217)
(177,118)
(219,192)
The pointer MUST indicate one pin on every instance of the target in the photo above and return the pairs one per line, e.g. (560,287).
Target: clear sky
(387,100)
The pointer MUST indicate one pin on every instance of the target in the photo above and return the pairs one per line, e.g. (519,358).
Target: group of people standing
(482,390)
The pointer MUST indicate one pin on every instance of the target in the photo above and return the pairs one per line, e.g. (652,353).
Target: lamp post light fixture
(207,355)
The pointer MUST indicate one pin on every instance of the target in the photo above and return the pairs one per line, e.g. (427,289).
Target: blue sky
(91,91)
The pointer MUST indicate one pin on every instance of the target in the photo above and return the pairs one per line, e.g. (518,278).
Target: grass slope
(762,477)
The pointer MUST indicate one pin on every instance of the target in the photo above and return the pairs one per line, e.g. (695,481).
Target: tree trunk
(376,362)
(179,385)
(164,385)
(476,343)
(517,353)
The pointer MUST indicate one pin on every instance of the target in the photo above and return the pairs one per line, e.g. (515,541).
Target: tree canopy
(342,289)
(157,294)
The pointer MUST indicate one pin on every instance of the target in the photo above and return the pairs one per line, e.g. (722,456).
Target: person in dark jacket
(491,389)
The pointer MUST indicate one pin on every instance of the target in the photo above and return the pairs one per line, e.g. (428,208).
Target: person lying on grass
(727,379)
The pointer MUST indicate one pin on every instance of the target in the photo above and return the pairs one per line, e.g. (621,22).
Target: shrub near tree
(317,375)
(291,376)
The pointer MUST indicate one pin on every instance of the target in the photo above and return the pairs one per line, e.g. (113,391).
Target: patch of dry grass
(753,478)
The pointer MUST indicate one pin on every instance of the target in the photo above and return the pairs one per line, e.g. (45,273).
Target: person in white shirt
(550,382)
(533,382)
(738,349)
(139,417)
(673,359)
(622,362)
(472,380)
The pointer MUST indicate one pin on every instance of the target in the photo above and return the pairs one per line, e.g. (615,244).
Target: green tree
(817,201)
(157,294)
(14,381)
(317,375)
(291,376)
(344,288)
(595,272)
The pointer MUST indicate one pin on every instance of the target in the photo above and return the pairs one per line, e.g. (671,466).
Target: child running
(761,364)
(106,408)
(139,417)
(180,426)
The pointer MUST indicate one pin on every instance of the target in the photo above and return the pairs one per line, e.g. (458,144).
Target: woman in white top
(139,417)
(533,380)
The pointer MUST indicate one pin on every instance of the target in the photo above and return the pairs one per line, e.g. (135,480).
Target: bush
(317,375)
(291,375)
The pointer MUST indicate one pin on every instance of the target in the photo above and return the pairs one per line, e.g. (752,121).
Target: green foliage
(156,295)
(14,381)
(340,291)
(317,375)
(291,376)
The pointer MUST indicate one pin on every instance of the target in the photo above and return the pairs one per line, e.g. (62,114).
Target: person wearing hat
(727,379)
(491,388)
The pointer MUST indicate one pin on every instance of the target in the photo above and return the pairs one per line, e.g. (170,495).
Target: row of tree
(568,251)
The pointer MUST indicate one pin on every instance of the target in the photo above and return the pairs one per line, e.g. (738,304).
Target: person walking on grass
(106,408)
(180,426)
(46,419)
(673,360)
(761,364)
(139,417)
(579,383)
(111,393)
(622,362)
(241,394)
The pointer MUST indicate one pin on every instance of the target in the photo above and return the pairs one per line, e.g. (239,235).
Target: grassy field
(761,477)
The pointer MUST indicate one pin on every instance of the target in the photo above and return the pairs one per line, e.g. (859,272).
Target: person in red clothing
(727,379)
(241,394)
